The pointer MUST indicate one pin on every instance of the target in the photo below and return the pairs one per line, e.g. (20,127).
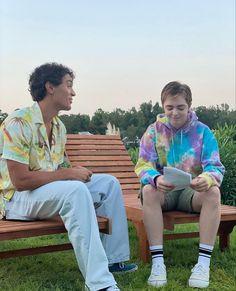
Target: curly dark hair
(49,72)
(176,88)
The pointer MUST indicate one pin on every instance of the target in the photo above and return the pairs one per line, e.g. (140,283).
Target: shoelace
(121,265)
(198,269)
(158,269)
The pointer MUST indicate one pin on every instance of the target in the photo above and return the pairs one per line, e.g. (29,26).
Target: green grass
(59,271)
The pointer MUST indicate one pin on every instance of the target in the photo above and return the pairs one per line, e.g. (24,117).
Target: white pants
(74,201)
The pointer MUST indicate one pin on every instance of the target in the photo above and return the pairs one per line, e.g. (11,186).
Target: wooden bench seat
(12,229)
(107,154)
(172,218)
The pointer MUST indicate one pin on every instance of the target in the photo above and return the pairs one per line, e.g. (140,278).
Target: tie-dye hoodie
(192,148)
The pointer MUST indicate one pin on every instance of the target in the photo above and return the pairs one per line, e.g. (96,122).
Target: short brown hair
(176,88)
(49,72)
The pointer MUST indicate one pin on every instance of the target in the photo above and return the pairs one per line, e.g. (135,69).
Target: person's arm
(213,170)
(145,167)
(23,179)
(17,135)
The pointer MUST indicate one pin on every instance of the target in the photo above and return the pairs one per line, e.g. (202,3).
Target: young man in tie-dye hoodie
(177,139)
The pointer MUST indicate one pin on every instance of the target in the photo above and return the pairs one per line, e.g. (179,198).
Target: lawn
(59,271)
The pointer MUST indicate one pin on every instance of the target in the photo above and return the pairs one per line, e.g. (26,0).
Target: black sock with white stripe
(205,252)
(157,254)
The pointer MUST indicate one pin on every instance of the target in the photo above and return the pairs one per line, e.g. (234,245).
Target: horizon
(123,53)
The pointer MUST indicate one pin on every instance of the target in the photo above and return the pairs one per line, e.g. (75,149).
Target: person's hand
(78,173)
(199,184)
(84,173)
(162,185)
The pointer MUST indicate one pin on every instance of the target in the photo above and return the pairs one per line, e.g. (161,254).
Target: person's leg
(153,203)
(72,201)
(108,200)
(152,214)
(208,204)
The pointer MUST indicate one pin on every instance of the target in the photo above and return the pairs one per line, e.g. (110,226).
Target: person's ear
(49,87)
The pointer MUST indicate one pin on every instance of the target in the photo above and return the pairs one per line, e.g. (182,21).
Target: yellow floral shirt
(23,138)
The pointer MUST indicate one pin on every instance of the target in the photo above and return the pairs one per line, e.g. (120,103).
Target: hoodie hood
(191,121)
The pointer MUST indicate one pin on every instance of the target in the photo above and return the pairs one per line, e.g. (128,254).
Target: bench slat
(94,142)
(92,136)
(98,158)
(95,147)
(10,229)
(90,164)
(88,152)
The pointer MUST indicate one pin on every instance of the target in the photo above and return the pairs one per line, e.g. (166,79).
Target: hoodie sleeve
(213,170)
(145,167)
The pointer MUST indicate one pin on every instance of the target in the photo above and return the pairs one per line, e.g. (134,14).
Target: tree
(98,123)
(216,115)
(76,123)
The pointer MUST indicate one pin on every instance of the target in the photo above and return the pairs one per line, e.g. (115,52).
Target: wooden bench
(172,218)
(107,154)
(10,230)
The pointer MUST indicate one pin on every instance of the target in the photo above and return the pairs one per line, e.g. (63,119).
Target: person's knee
(150,194)
(112,179)
(213,197)
(77,190)
(113,182)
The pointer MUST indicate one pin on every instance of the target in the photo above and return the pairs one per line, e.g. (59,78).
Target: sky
(122,52)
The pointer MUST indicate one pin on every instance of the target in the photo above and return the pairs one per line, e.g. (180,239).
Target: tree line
(133,122)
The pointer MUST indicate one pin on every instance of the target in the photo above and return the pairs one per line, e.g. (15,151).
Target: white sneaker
(158,275)
(199,277)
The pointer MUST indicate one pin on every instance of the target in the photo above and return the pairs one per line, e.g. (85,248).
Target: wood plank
(12,229)
(92,136)
(91,164)
(129,181)
(94,142)
(108,169)
(130,186)
(99,158)
(95,147)
(124,174)
(131,192)
(88,152)
(183,235)
(34,251)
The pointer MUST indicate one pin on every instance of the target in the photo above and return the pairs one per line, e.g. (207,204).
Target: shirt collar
(38,117)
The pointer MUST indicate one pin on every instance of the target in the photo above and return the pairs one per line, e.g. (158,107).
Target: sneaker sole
(128,271)
(159,284)
(198,283)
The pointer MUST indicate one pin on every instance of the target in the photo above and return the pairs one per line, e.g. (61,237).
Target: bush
(134,152)
(226,137)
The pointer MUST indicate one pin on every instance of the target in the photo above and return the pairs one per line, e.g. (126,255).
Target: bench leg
(143,241)
(224,231)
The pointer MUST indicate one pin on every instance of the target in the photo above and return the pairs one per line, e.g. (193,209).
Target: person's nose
(73,92)
(175,111)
